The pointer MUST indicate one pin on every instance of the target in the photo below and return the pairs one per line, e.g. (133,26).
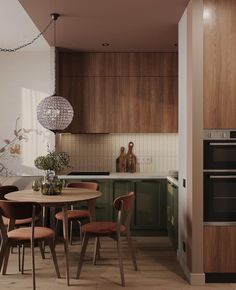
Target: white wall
(25,79)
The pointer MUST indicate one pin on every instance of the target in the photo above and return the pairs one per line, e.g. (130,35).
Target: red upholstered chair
(74,214)
(23,210)
(124,206)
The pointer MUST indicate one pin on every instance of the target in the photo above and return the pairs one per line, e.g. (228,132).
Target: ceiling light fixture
(105,44)
(54,113)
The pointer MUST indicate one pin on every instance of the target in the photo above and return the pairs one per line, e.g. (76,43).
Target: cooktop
(89,173)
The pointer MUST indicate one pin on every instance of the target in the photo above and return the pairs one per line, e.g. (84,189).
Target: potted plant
(52,163)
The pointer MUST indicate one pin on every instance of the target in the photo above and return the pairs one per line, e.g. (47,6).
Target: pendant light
(55,113)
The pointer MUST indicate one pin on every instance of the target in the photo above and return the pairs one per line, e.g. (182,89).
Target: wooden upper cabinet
(219,64)
(120,92)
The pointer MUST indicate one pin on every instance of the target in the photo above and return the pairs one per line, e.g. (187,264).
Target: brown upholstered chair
(23,210)
(74,214)
(124,206)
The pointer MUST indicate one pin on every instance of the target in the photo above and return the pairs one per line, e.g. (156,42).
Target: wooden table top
(68,196)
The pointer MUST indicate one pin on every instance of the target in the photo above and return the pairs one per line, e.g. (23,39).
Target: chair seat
(73,214)
(24,234)
(17,222)
(101,228)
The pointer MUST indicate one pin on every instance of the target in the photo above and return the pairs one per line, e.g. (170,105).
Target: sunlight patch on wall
(39,140)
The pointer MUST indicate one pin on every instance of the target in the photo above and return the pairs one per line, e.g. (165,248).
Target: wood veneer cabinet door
(120,92)
(219,64)
(219,249)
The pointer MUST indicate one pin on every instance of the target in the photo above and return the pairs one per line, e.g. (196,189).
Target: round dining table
(69,196)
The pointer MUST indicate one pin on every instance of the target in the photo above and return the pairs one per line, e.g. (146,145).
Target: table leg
(91,208)
(66,241)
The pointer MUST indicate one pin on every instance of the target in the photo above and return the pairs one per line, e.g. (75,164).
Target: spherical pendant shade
(55,113)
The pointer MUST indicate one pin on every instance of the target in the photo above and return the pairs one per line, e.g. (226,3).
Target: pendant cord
(30,42)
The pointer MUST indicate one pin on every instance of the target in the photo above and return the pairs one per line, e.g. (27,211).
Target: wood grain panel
(122,105)
(219,64)
(219,249)
(118,64)
(120,92)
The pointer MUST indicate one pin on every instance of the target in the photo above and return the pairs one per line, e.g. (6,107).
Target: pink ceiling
(127,25)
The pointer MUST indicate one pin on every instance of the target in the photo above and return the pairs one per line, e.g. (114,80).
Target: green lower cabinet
(104,204)
(149,216)
(150,205)
(172,213)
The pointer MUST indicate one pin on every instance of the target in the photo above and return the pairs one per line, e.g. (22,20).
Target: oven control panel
(219,134)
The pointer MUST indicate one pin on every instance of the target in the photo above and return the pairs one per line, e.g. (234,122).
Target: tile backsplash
(98,152)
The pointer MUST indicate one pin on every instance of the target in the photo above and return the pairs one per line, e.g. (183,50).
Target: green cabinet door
(150,205)
(172,213)
(122,187)
(105,201)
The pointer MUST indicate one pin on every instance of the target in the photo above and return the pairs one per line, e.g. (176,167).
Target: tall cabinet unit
(219,113)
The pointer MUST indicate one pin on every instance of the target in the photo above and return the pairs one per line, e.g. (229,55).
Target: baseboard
(193,278)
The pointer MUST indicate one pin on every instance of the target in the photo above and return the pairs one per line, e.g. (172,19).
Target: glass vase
(51,185)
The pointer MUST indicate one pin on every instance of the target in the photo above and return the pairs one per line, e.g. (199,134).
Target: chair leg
(82,255)
(80,232)
(2,252)
(7,253)
(19,260)
(56,230)
(23,260)
(120,261)
(129,240)
(71,231)
(54,257)
(42,249)
(96,250)
(33,265)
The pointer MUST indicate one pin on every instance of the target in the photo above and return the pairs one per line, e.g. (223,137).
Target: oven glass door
(219,154)
(219,196)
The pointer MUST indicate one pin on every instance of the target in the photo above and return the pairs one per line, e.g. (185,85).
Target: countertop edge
(117,176)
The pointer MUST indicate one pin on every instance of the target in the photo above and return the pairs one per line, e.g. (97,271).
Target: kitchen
(152,157)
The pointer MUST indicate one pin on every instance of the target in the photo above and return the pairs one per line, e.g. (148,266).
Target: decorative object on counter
(36,184)
(131,159)
(52,164)
(121,161)
(55,113)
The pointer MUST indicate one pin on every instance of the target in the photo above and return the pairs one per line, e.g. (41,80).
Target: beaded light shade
(55,113)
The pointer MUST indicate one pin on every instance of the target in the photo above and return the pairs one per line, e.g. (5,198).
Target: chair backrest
(18,210)
(124,205)
(6,189)
(86,185)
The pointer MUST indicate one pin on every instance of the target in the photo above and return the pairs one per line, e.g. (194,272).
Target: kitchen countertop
(117,175)
(173,180)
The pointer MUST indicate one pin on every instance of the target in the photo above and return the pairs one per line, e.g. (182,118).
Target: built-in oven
(219,176)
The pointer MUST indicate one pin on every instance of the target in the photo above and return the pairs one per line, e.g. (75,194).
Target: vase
(51,185)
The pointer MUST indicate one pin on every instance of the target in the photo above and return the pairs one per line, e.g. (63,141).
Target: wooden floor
(158,269)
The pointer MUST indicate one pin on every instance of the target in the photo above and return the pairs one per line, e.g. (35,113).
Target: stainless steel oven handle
(221,144)
(222,176)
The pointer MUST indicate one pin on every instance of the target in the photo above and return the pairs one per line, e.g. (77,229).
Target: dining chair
(124,207)
(20,222)
(76,214)
(15,236)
